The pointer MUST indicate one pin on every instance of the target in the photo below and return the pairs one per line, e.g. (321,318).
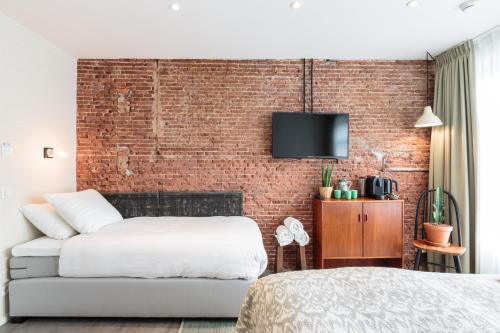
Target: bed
(200,259)
(372,300)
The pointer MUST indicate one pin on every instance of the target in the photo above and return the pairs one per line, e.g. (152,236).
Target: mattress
(36,258)
(31,267)
(40,247)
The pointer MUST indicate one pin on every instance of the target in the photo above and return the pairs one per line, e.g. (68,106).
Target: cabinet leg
(417,259)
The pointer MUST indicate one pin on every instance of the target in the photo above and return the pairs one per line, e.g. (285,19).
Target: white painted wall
(37,109)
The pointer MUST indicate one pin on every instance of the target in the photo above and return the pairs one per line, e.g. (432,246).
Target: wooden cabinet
(362,232)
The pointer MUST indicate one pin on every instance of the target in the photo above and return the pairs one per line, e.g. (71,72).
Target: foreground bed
(200,264)
(371,300)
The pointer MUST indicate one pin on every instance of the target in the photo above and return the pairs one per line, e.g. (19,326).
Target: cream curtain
(487,61)
(453,145)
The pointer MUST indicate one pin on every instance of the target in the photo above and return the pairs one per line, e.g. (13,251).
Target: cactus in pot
(325,191)
(437,233)
(438,213)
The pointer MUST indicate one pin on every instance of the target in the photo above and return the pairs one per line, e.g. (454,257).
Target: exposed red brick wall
(203,125)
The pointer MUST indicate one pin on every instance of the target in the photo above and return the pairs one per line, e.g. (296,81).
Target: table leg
(279,259)
(301,258)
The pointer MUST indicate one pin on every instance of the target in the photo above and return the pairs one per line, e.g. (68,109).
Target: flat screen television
(310,135)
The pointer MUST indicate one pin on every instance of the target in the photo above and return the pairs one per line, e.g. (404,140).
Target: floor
(77,325)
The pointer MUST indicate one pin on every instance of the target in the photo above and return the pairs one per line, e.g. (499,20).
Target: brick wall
(204,125)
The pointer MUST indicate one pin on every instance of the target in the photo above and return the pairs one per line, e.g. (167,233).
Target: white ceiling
(253,29)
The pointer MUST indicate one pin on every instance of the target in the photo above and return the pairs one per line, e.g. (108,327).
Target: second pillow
(86,211)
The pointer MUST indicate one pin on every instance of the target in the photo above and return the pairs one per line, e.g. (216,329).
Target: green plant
(438,213)
(326,174)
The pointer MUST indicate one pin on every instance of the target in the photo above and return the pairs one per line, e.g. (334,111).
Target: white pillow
(44,218)
(86,211)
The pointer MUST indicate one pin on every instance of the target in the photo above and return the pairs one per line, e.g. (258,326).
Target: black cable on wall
(312,95)
(304,85)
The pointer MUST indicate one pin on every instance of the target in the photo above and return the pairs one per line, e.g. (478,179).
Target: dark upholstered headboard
(177,203)
(134,204)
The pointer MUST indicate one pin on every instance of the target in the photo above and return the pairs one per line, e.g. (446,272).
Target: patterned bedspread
(371,300)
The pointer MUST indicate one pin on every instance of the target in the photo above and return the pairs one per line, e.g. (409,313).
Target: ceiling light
(412,3)
(175,7)
(295,5)
(468,5)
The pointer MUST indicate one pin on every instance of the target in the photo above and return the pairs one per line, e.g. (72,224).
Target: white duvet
(154,247)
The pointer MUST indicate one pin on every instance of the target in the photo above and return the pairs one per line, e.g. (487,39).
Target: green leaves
(326,174)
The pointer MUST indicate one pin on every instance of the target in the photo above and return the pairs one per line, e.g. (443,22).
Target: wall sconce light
(48,152)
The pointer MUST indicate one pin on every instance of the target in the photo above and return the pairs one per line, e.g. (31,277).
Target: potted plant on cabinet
(325,191)
(437,233)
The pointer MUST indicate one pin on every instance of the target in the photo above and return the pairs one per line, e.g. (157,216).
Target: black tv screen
(310,135)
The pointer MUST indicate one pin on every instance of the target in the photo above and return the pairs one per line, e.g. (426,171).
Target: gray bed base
(131,297)
(126,297)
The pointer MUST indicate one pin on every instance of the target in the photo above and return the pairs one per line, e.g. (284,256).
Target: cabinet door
(383,229)
(342,229)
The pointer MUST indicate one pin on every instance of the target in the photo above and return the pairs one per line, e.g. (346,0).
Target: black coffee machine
(375,187)
(378,187)
(388,185)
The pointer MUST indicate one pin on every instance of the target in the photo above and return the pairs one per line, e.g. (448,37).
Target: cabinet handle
(366,217)
(359,217)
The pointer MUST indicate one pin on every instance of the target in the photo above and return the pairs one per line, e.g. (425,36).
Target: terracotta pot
(438,234)
(325,192)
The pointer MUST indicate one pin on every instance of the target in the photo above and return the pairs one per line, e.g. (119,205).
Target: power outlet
(6,149)
(4,193)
